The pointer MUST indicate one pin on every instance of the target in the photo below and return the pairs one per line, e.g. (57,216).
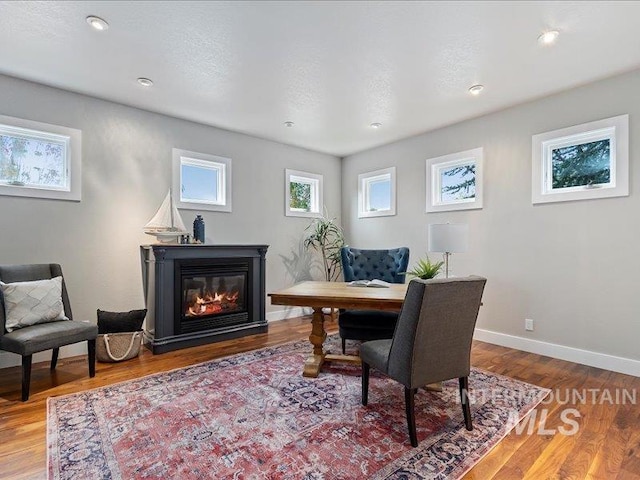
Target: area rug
(254,416)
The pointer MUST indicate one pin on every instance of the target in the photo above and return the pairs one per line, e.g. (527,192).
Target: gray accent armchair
(45,336)
(431,343)
(389,265)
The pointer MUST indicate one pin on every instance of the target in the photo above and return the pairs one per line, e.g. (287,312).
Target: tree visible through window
(454,181)
(581,162)
(300,196)
(303,193)
(580,165)
(33,161)
(459,182)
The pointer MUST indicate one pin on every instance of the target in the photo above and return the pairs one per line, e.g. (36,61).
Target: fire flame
(212,303)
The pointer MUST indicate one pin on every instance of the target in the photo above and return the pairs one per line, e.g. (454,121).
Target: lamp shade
(448,237)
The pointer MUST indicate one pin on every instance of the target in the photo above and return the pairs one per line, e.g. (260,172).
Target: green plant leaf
(325,236)
(426,269)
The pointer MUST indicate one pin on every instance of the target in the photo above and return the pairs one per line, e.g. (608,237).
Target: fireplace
(199,294)
(213,293)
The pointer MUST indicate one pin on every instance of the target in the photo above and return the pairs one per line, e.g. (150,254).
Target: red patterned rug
(253,416)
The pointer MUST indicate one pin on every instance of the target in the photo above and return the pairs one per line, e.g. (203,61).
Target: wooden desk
(319,295)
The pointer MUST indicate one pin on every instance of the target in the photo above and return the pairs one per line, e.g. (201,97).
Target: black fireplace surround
(197,294)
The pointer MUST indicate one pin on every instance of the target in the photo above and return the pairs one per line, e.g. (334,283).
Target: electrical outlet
(528,324)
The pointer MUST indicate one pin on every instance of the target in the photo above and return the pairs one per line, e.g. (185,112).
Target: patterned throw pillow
(29,303)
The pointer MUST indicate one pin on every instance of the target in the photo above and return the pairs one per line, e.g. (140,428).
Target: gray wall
(126,172)
(573,267)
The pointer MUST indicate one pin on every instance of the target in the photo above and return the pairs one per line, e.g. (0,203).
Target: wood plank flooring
(606,445)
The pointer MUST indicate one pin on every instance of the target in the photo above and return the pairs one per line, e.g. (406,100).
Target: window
(582,162)
(454,181)
(39,160)
(303,194)
(201,181)
(377,193)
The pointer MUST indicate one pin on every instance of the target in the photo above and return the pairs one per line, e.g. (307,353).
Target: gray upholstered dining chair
(43,336)
(431,343)
(389,265)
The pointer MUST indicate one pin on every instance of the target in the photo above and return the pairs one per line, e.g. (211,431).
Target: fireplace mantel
(161,266)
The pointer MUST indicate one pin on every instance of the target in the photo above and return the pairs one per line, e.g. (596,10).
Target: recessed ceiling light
(97,23)
(375,125)
(289,124)
(548,38)
(145,82)
(476,89)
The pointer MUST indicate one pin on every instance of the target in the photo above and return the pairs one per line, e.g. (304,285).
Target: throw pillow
(30,303)
(116,322)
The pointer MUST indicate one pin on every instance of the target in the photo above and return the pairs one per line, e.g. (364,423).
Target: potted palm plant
(325,236)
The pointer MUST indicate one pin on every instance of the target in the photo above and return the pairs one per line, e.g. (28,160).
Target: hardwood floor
(606,445)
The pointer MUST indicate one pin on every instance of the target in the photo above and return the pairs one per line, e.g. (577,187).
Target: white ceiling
(332,68)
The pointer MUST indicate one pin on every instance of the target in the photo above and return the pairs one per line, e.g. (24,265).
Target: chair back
(29,273)
(389,265)
(432,339)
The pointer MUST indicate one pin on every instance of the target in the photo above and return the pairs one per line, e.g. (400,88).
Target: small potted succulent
(425,268)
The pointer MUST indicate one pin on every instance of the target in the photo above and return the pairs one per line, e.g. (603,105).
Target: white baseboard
(562,352)
(289,312)
(585,357)
(8,359)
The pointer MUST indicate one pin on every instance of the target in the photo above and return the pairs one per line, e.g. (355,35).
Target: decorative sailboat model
(166,225)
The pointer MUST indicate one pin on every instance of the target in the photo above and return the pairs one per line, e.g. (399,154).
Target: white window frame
(434,168)
(614,129)
(72,140)
(317,199)
(364,182)
(203,160)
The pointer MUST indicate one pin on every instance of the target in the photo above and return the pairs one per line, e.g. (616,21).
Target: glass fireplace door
(212,295)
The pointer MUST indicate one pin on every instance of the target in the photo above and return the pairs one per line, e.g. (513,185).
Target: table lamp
(448,238)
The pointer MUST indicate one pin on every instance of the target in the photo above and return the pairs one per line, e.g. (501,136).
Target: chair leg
(26,376)
(91,350)
(409,394)
(464,400)
(344,346)
(54,358)
(365,383)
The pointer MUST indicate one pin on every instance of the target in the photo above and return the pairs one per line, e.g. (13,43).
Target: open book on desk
(370,283)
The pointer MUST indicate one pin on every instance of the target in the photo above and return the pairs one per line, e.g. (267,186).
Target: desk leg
(313,364)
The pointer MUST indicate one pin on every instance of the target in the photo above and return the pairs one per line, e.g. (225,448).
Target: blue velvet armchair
(389,265)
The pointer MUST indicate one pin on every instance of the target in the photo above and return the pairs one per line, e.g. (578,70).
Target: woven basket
(117,347)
